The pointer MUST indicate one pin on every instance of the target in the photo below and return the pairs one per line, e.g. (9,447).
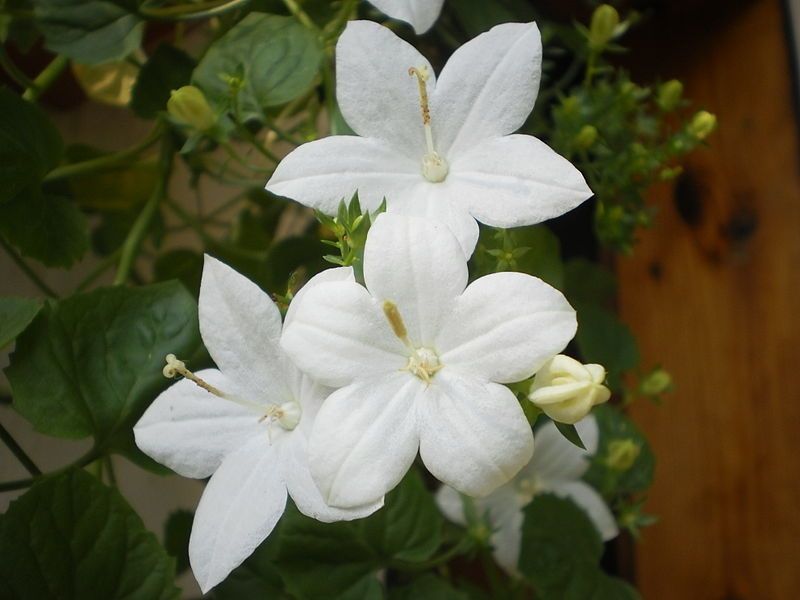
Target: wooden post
(713,293)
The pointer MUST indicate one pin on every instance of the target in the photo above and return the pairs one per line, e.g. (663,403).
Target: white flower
(557,467)
(418,359)
(437,149)
(421,14)
(566,390)
(245,425)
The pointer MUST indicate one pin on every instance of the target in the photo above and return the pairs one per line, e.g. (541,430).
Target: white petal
(487,88)
(377,96)
(590,501)
(190,430)
(436,202)
(326,276)
(322,173)
(558,459)
(473,435)
(516,180)
(339,333)
(421,14)
(241,328)
(239,509)
(506,518)
(365,439)
(505,326)
(451,504)
(305,493)
(417,265)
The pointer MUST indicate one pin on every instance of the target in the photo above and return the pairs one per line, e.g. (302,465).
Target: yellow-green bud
(670,173)
(657,382)
(702,124)
(605,21)
(189,106)
(622,454)
(669,94)
(586,137)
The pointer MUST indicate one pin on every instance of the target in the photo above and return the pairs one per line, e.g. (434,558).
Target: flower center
(434,167)
(287,415)
(527,488)
(422,362)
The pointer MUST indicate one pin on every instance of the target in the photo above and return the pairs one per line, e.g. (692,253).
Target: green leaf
(616,427)
(274,60)
(90,365)
(182,264)
(176,537)
(586,282)
(44,226)
(558,539)
(30,145)
(534,250)
(321,561)
(477,16)
(167,69)
(15,315)
(89,31)
(590,583)
(409,526)
(602,338)
(71,537)
(571,433)
(427,587)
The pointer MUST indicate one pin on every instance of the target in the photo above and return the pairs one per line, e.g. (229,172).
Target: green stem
(101,268)
(13,71)
(185,12)
(109,469)
(130,248)
(250,137)
(26,268)
(590,67)
(17,451)
(462,547)
(46,78)
(283,134)
(495,585)
(18,484)
(106,162)
(333,28)
(301,15)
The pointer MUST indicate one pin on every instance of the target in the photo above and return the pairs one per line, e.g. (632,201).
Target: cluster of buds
(566,390)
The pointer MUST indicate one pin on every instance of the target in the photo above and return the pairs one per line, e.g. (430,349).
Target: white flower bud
(566,390)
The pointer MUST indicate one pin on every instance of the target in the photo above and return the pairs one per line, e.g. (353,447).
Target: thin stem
(283,134)
(300,15)
(106,263)
(185,12)
(18,484)
(109,469)
(333,28)
(46,78)
(106,162)
(26,268)
(13,71)
(250,137)
(17,451)
(462,547)
(130,248)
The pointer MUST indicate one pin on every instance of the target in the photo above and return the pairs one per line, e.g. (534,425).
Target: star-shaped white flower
(443,149)
(245,425)
(557,467)
(419,360)
(421,14)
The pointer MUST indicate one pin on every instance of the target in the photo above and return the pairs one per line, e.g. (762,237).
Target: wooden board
(713,293)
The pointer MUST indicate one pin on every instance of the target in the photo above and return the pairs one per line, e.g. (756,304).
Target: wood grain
(713,293)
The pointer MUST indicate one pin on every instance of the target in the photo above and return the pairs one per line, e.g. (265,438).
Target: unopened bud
(605,21)
(622,454)
(657,382)
(189,106)
(702,124)
(566,390)
(669,95)
(586,137)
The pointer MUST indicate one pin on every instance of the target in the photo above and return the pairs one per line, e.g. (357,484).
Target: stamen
(178,367)
(434,167)
(396,321)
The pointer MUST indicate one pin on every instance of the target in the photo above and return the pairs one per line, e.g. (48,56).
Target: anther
(176,367)
(396,321)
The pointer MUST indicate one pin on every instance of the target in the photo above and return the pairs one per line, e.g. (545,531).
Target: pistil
(287,414)
(422,362)
(434,167)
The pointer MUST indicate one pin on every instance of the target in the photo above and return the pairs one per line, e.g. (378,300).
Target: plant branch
(185,12)
(17,451)
(46,78)
(18,484)
(106,162)
(130,247)
(301,15)
(13,71)
(26,268)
